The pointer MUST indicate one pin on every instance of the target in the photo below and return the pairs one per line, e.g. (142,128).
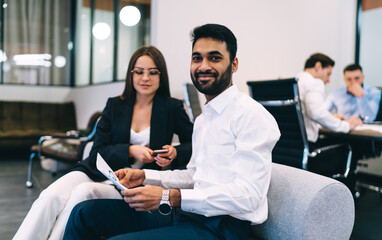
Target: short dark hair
(164,87)
(217,32)
(352,67)
(319,57)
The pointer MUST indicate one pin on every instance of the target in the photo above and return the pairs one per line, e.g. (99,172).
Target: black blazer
(112,138)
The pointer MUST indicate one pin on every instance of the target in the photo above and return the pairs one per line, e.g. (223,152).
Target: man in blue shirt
(356,99)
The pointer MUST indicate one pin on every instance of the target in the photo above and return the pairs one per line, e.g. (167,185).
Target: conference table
(366,132)
(367,139)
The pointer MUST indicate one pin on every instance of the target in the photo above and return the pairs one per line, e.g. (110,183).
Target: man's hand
(356,90)
(338,116)
(130,177)
(354,122)
(145,198)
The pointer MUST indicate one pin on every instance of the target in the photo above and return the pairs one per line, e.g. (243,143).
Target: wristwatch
(164,205)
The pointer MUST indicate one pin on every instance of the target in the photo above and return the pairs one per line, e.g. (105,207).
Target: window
(70,43)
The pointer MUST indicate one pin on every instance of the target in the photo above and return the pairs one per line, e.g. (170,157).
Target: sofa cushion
(12,116)
(30,115)
(23,123)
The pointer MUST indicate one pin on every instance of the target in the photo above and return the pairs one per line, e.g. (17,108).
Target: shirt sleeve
(317,111)
(369,104)
(329,103)
(250,165)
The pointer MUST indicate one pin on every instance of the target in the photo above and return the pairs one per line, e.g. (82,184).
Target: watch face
(164,208)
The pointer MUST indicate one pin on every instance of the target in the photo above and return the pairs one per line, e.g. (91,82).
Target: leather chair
(281,98)
(64,147)
(191,99)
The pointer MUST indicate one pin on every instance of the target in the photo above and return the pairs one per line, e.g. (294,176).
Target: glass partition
(35,46)
(72,42)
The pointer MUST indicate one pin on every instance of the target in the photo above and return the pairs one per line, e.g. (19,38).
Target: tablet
(104,168)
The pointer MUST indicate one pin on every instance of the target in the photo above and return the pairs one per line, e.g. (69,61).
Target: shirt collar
(219,102)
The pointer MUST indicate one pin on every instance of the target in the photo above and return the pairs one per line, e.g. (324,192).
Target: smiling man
(224,188)
(356,99)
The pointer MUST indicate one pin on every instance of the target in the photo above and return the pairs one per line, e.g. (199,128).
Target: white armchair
(305,205)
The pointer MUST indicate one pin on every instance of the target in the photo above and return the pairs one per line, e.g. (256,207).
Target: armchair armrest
(304,205)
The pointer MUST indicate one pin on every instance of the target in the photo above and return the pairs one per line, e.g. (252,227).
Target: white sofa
(304,205)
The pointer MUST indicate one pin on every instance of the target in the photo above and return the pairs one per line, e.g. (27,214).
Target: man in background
(356,99)
(311,83)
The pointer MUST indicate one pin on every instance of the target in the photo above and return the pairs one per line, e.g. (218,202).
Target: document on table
(104,168)
(371,127)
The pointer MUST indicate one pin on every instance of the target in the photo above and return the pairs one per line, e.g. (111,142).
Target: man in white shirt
(317,71)
(224,188)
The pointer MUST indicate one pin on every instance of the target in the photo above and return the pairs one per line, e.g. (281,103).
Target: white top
(141,138)
(230,167)
(312,93)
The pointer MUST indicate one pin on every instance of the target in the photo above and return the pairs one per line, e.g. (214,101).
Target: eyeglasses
(152,72)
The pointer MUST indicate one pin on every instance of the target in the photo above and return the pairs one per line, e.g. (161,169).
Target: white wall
(34,93)
(93,98)
(274,39)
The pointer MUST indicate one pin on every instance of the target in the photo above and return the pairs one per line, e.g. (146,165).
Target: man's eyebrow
(209,53)
(215,53)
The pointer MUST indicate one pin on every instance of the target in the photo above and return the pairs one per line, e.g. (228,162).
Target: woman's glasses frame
(152,72)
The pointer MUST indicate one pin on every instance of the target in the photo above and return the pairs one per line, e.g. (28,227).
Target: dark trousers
(114,219)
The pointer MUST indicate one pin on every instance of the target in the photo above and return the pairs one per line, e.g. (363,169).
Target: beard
(217,86)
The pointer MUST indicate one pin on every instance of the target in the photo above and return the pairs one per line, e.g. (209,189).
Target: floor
(16,199)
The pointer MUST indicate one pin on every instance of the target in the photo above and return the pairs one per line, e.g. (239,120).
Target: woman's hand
(141,153)
(165,159)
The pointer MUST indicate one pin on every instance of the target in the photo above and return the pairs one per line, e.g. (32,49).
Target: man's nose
(205,65)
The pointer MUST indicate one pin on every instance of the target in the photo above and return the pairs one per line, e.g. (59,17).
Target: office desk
(367,132)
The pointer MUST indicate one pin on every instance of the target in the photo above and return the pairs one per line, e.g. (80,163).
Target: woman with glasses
(143,119)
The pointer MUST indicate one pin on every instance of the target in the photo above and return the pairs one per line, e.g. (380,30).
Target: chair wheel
(357,194)
(29,184)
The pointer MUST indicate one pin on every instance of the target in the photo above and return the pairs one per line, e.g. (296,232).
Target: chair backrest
(379,114)
(191,97)
(281,98)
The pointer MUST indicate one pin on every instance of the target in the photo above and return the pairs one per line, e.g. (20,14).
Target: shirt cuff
(192,200)
(152,177)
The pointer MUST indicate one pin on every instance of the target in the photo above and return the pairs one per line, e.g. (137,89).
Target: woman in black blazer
(144,118)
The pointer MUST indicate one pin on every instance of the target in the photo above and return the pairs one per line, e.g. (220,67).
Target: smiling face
(211,69)
(146,77)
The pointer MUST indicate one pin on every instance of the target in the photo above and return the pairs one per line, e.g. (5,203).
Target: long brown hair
(164,87)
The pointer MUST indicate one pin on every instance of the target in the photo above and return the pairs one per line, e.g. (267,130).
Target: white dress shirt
(230,168)
(312,93)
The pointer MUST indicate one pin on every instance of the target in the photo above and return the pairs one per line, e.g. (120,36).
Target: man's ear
(317,66)
(235,64)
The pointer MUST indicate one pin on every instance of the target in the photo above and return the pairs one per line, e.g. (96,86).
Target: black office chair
(281,99)
(191,98)
(64,147)
(379,114)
